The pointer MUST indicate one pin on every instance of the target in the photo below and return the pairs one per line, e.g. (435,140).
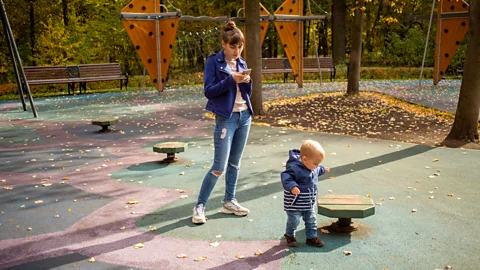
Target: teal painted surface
(19,213)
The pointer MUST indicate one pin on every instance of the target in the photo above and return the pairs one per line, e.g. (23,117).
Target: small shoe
(291,240)
(199,214)
(316,242)
(233,207)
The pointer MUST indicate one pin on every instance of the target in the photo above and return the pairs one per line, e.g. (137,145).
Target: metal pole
(426,45)
(159,63)
(16,55)
(143,79)
(17,76)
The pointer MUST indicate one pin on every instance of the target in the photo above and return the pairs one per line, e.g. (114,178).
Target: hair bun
(230,26)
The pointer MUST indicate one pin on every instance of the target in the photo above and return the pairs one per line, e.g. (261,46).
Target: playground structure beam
(454,15)
(167,15)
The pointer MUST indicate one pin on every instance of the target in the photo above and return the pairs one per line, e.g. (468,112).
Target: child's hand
(295,190)
(327,169)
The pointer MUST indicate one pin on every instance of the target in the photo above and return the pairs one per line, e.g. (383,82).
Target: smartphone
(247,71)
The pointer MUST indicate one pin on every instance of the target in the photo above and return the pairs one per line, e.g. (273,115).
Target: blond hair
(310,148)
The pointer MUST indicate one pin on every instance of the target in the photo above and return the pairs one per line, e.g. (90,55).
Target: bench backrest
(45,72)
(273,63)
(99,70)
(311,62)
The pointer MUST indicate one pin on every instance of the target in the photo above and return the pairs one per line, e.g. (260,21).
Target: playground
(108,180)
(108,196)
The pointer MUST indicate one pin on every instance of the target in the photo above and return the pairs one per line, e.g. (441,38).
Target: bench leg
(84,86)
(343,225)
(104,128)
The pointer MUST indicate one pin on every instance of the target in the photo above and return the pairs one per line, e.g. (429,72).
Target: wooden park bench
(43,75)
(99,72)
(276,65)
(170,148)
(310,64)
(345,207)
(81,74)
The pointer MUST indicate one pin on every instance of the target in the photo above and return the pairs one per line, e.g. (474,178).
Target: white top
(240,103)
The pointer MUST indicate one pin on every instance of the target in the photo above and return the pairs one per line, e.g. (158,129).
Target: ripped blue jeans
(230,137)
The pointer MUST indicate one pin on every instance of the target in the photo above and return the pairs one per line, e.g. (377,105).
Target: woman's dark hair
(232,35)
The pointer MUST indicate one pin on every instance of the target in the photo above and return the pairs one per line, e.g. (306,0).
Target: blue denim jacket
(297,175)
(220,88)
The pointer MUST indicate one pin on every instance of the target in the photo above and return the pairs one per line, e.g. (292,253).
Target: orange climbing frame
(450,33)
(263,24)
(143,34)
(291,35)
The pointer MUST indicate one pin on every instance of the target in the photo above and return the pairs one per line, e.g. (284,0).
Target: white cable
(426,44)
(316,46)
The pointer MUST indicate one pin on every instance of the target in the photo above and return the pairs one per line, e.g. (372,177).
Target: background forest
(59,32)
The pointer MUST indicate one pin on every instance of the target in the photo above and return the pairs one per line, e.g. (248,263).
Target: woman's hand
(295,190)
(238,77)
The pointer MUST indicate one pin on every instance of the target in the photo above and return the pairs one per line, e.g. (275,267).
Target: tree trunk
(339,9)
(306,37)
(465,126)
(254,52)
(32,31)
(65,12)
(323,40)
(371,33)
(353,87)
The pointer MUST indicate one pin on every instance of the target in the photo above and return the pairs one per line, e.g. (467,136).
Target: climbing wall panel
(263,24)
(291,35)
(449,35)
(143,35)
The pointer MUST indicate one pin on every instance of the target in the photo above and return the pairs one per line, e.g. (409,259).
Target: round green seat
(104,123)
(345,207)
(170,148)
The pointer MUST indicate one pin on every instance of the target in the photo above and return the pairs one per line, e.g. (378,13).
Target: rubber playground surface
(72,197)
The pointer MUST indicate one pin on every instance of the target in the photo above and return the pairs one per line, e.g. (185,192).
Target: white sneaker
(233,207)
(199,214)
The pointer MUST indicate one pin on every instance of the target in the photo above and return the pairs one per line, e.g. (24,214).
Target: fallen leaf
(258,252)
(181,256)
(183,196)
(153,229)
(240,256)
(346,252)
(122,228)
(214,244)
(91,260)
(132,202)
(38,201)
(47,184)
(436,160)
(139,245)
(414,210)
(8,188)
(450,195)
(200,259)
(66,178)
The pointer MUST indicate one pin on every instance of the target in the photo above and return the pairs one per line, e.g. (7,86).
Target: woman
(228,88)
